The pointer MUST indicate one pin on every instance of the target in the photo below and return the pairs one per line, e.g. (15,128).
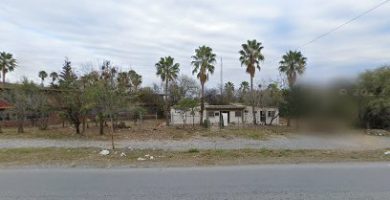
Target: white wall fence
(186,118)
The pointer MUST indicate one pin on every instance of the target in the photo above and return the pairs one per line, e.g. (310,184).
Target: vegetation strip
(90,157)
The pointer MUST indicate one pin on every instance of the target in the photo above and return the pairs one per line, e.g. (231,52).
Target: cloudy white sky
(136,33)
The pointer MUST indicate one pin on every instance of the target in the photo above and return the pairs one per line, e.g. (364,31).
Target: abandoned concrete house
(233,114)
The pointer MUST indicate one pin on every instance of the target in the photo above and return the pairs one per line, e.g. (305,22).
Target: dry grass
(149,130)
(89,157)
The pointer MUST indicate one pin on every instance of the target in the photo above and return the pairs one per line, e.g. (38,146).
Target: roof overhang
(224,107)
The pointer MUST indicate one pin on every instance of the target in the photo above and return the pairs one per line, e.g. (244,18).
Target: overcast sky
(135,34)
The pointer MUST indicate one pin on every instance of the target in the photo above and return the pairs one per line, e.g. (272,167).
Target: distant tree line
(107,91)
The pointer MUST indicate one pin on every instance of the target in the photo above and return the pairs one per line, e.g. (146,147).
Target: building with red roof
(4,105)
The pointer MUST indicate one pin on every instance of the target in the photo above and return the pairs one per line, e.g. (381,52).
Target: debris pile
(104,152)
(378,132)
(147,156)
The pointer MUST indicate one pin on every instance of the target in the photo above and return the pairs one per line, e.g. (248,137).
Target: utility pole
(220,114)
(221,79)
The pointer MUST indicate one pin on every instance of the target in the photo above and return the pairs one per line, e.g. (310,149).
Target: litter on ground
(104,152)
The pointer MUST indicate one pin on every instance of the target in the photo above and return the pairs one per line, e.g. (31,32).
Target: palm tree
(7,64)
(123,81)
(293,63)
(229,85)
(243,90)
(168,70)
(54,77)
(244,86)
(42,74)
(203,62)
(135,79)
(251,56)
(229,90)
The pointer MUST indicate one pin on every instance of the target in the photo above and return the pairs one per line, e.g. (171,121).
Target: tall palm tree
(293,63)
(251,56)
(203,62)
(42,74)
(168,70)
(54,77)
(7,64)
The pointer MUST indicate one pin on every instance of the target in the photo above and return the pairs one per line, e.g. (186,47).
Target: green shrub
(193,150)
(206,123)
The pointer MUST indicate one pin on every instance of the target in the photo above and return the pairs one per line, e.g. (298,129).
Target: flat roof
(224,107)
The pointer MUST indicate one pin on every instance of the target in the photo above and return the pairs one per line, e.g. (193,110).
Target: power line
(345,23)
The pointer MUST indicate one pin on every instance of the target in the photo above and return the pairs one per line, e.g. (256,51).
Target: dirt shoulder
(293,142)
(90,157)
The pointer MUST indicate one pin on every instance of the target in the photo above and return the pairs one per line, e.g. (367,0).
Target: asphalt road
(322,181)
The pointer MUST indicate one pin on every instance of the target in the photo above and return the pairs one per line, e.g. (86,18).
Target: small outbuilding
(4,106)
(232,114)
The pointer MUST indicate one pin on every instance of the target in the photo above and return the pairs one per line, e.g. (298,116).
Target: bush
(206,123)
(193,150)
(121,125)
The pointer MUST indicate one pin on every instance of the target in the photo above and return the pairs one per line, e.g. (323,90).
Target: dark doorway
(262,116)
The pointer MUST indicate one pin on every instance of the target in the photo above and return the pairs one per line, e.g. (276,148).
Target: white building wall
(178,117)
(213,120)
(234,119)
(248,116)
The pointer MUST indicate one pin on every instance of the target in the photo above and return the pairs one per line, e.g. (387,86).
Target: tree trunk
(3,73)
(368,125)
(43,122)
(101,124)
(20,126)
(193,121)
(166,103)
(1,122)
(202,104)
(253,102)
(288,122)
(83,126)
(272,120)
(112,132)
(77,127)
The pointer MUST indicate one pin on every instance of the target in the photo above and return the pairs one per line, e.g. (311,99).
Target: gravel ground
(350,142)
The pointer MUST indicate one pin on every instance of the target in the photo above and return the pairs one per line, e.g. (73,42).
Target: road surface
(293,182)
